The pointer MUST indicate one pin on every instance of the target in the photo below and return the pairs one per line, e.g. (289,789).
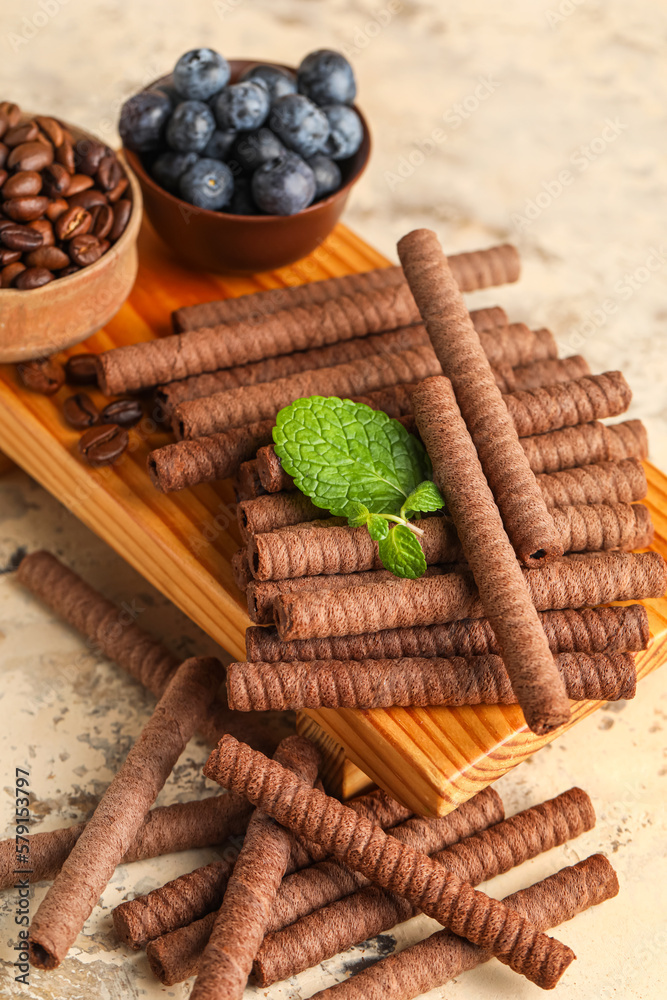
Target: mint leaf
(401,553)
(427,496)
(357,514)
(338,451)
(378,527)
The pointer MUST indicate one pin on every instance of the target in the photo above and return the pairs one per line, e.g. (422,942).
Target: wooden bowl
(45,320)
(242,244)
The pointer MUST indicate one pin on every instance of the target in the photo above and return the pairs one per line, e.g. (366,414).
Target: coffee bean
(84,250)
(118,190)
(105,244)
(25,209)
(4,153)
(11,112)
(56,180)
(33,277)
(21,238)
(26,182)
(3,176)
(103,445)
(80,411)
(124,412)
(42,375)
(66,271)
(65,155)
(88,156)
(51,128)
(45,229)
(74,222)
(78,183)
(56,209)
(102,220)
(121,217)
(109,172)
(10,272)
(4,125)
(30,156)
(53,258)
(9,256)
(81,369)
(88,199)
(21,133)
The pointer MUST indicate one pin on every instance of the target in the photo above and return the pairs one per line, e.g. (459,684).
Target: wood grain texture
(432,759)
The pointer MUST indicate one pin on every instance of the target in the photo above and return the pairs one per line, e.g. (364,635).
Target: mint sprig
(361,464)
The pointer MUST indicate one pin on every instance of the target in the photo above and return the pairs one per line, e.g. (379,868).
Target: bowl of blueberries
(246,166)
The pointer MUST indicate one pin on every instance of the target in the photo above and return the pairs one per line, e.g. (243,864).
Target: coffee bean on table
(74,222)
(56,209)
(45,229)
(80,411)
(56,180)
(22,238)
(121,216)
(125,412)
(33,277)
(102,220)
(51,257)
(79,183)
(41,375)
(30,156)
(88,199)
(25,209)
(25,182)
(20,134)
(104,444)
(8,256)
(9,273)
(84,250)
(65,155)
(51,128)
(81,369)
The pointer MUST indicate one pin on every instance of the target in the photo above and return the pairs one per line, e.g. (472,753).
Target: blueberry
(142,120)
(327,174)
(207,184)
(219,145)
(252,149)
(190,127)
(327,78)
(300,124)
(242,106)
(166,86)
(346,134)
(277,81)
(242,202)
(169,167)
(283,186)
(200,74)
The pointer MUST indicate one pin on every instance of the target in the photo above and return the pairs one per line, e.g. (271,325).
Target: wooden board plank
(431,758)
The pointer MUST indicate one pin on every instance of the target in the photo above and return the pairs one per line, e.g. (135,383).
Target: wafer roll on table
(247,484)
(603,482)
(584,445)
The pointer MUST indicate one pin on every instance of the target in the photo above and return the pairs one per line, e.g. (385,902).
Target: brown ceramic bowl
(219,241)
(45,320)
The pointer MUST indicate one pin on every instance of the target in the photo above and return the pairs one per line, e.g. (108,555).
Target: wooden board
(433,759)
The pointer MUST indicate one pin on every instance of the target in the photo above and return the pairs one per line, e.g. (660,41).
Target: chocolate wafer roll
(121,811)
(443,956)
(503,592)
(241,569)
(594,527)
(585,444)
(275,510)
(516,345)
(247,484)
(415,682)
(371,911)
(250,404)
(457,346)
(539,373)
(376,855)
(187,463)
(602,482)
(570,582)
(499,265)
(591,630)
(566,404)
(272,476)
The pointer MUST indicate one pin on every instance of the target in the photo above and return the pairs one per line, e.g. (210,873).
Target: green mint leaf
(401,553)
(338,451)
(357,514)
(378,527)
(427,496)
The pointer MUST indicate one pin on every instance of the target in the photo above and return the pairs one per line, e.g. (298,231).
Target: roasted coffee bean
(51,128)
(88,199)
(9,256)
(11,112)
(51,257)
(3,176)
(80,411)
(25,209)
(5,222)
(45,229)
(124,412)
(102,220)
(79,183)
(65,155)
(104,444)
(10,272)
(105,244)
(74,222)
(118,191)
(84,250)
(81,369)
(56,209)
(4,125)
(66,271)
(40,137)
(42,375)
(33,277)
(109,172)
(26,182)
(56,180)
(88,156)
(4,153)
(121,217)
(20,237)
(21,133)
(30,156)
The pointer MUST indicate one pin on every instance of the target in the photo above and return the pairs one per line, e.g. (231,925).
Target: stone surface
(476,109)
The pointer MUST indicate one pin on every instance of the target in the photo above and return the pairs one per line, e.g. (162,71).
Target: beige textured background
(539,121)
